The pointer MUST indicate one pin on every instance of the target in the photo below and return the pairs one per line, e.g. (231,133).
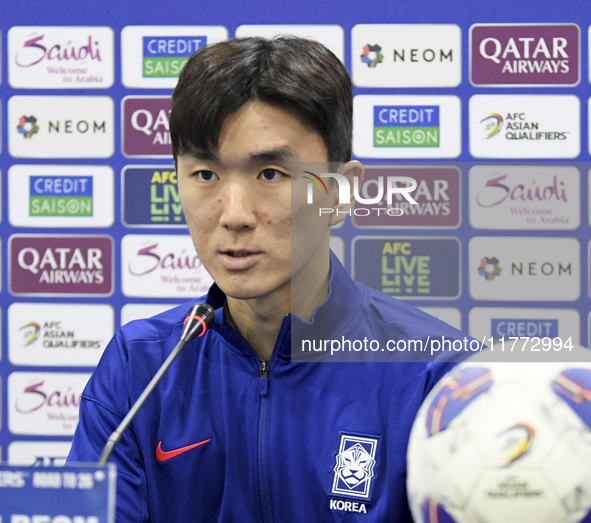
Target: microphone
(199,318)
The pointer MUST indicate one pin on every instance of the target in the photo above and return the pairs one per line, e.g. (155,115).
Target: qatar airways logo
(47,264)
(61,57)
(162,266)
(146,126)
(44,403)
(525,54)
(388,185)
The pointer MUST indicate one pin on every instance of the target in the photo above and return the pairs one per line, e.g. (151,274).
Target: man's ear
(352,170)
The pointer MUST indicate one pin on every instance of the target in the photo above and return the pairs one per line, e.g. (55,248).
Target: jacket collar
(331,319)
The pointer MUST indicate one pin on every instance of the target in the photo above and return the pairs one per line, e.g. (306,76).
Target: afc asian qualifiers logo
(354,468)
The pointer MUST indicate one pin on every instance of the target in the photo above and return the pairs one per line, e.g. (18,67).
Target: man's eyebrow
(281,154)
(194,153)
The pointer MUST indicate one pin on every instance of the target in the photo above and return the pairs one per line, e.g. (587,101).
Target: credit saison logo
(406,126)
(372,55)
(506,327)
(60,196)
(392,190)
(492,125)
(518,127)
(27,126)
(165,56)
(489,268)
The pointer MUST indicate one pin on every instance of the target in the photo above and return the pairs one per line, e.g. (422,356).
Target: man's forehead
(263,154)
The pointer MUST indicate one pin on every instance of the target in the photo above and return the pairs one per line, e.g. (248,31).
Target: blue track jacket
(228,438)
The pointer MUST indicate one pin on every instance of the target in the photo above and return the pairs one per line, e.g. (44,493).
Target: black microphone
(199,318)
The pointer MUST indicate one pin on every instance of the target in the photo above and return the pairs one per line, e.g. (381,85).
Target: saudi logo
(492,125)
(355,464)
(27,126)
(489,268)
(372,55)
(30,332)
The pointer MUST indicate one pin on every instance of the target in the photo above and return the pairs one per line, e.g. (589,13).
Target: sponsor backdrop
(486,110)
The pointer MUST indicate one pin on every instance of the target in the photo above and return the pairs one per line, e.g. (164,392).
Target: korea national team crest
(354,468)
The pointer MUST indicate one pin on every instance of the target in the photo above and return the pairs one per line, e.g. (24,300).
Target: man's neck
(259,320)
(259,323)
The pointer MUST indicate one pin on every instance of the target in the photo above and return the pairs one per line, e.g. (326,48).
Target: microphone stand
(199,318)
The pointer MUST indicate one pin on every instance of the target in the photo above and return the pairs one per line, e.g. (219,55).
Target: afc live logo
(151,197)
(390,187)
(408,268)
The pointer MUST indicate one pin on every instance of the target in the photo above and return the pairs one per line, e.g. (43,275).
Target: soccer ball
(504,443)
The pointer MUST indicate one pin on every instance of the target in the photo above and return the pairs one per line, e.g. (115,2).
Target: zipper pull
(264,379)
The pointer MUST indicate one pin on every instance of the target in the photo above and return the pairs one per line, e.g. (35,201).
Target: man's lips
(239,260)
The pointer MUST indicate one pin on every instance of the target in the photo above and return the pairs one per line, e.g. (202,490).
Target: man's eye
(206,176)
(271,174)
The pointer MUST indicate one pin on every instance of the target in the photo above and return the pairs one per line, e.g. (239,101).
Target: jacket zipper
(262,442)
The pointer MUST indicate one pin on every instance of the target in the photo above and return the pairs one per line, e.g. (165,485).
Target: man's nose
(238,213)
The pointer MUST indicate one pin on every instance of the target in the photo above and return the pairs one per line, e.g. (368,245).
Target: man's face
(238,203)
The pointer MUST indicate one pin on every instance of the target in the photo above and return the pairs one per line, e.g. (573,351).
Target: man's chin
(251,292)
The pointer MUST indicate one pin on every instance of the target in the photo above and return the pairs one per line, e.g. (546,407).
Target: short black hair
(291,73)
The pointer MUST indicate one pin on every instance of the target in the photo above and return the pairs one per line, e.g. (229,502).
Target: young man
(236,431)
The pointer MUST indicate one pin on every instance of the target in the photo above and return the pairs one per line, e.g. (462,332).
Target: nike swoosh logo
(165,455)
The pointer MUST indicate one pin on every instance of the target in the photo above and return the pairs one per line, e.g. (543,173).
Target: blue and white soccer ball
(504,443)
